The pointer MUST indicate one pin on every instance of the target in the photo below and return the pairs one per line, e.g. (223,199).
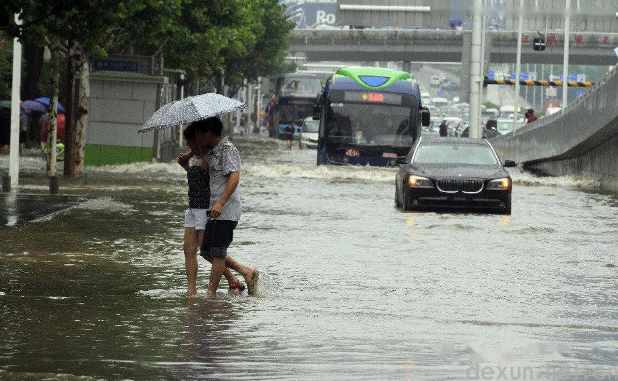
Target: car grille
(466,186)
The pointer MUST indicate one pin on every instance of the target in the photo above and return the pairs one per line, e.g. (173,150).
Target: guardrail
(583,125)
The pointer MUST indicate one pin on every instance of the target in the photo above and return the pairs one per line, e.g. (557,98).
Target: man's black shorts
(218,235)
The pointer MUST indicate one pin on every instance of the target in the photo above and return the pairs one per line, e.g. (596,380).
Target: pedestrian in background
(444,128)
(288,134)
(531,116)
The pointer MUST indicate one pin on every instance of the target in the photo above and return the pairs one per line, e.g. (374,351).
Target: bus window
(375,125)
(301,87)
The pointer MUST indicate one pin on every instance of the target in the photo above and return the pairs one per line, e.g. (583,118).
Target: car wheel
(397,203)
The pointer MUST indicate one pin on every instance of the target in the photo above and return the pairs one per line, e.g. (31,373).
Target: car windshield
(370,125)
(461,154)
(301,87)
(311,126)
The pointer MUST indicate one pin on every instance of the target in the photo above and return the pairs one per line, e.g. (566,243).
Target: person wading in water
(224,168)
(196,214)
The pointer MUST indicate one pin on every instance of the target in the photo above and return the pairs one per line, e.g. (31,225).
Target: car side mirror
(509,164)
(425,117)
(401,160)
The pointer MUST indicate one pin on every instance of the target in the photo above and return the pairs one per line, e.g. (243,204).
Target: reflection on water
(352,288)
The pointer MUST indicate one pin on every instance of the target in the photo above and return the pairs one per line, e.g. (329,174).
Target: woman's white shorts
(196,218)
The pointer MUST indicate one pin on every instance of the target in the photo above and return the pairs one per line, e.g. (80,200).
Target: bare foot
(252,281)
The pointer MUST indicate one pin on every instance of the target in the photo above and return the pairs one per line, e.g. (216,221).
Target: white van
(507,111)
(440,102)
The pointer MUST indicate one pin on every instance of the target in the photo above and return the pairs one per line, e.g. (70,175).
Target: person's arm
(230,187)
(183,160)
(231,168)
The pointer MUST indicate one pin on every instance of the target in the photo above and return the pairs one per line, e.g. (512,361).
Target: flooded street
(352,288)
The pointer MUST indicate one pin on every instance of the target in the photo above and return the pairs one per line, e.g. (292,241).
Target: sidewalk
(18,209)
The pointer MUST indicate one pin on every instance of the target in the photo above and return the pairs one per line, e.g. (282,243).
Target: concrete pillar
(466,67)
(475,76)
(407,66)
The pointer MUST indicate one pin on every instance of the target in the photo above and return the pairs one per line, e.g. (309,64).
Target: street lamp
(520,32)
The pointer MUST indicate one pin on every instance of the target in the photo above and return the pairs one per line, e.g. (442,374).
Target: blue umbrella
(32,108)
(46,102)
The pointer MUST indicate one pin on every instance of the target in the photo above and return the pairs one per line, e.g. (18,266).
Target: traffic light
(539,44)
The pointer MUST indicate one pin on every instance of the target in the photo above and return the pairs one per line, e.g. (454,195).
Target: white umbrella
(191,109)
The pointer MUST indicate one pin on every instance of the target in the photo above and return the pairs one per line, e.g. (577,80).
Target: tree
(267,56)
(208,32)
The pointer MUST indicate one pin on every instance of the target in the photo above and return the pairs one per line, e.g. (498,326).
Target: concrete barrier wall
(580,140)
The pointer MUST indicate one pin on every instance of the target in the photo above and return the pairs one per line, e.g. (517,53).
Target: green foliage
(6,69)
(266,57)
(244,38)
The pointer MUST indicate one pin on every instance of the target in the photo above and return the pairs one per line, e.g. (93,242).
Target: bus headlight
(499,184)
(419,182)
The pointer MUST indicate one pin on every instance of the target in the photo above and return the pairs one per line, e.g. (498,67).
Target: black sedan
(453,174)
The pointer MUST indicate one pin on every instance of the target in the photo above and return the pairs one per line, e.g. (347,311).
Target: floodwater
(352,288)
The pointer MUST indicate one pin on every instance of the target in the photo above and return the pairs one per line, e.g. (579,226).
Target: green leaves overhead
(246,38)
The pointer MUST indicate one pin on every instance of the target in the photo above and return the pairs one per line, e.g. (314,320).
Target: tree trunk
(53,121)
(69,135)
(82,116)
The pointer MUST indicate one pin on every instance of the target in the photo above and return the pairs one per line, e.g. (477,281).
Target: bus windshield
(370,125)
(301,87)
(294,112)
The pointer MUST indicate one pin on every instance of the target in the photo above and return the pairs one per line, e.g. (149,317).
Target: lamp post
(520,32)
(15,98)
(565,64)
(475,77)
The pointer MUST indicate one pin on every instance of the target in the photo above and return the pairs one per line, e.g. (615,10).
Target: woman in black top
(197,213)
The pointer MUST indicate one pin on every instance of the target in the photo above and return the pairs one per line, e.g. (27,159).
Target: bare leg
(190,249)
(231,279)
(246,272)
(218,266)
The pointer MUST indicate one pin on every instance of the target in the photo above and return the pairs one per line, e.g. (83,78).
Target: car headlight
(499,184)
(419,182)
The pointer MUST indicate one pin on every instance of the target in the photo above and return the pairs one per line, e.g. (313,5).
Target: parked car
(309,132)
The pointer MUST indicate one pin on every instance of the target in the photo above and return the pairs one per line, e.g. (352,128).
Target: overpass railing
(581,126)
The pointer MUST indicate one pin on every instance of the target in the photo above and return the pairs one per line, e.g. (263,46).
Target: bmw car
(454,174)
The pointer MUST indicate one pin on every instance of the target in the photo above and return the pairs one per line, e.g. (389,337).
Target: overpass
(581,140)
(589,48)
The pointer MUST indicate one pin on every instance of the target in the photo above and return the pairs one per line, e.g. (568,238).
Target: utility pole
(483,68)
(536,76)
(15,98)
(565,65)
(258,104)
(520,32)
(475,77)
